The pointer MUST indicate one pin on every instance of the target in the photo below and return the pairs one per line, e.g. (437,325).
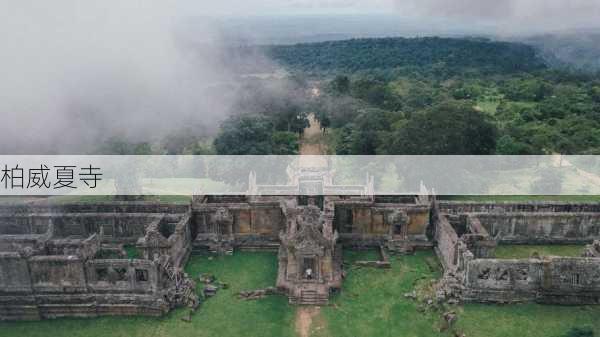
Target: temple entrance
(397,229)
(309,270)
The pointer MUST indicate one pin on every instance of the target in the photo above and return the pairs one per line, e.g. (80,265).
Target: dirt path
(313,132)
(305,317)
(312,144)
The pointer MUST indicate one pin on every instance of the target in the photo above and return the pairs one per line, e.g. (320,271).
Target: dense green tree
(467,91)
(595,93)
(585,331)
(245,134)
(343,140)
(120,146)
(420,95)
(437,56)
(507,145)
(341,84)
(424,91)
(451,127)
(526,89)
(284,143)
(142,149)
(202,149)
(368,125)
(323,119)
(339,110)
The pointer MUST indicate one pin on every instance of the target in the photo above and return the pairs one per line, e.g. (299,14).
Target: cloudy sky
(506,14)
(72,71)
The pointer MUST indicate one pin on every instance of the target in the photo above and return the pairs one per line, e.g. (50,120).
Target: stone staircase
(310,297)
(260,248)
(222,248)
(400,246)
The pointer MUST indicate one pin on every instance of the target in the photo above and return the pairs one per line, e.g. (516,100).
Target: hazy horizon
(74,73)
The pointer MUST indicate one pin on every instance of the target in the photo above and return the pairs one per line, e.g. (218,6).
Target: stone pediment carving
(398,218)
(223,217)
(309,246)
(308,238)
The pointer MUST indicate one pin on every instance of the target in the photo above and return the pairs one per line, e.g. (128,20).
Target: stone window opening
(106,230)
(121,274)
(576,279)
(141,275)
(397,229)
(102,274)
(167,229)
(302,200)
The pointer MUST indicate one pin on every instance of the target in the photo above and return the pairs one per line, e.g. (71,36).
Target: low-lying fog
(73,74)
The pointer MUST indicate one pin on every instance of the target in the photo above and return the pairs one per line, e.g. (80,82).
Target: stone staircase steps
(310,297)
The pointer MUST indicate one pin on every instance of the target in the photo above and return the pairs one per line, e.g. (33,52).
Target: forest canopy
(407,96)
(453,55)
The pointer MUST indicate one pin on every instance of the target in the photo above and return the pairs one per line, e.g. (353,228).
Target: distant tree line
(408,96)
(432,54)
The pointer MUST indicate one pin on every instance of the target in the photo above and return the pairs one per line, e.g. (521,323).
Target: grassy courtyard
(372,303)
(525,251)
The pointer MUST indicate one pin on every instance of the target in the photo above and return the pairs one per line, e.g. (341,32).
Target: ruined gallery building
(71,260)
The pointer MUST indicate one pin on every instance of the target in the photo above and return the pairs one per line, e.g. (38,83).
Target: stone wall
(254,225)
(135,276)
(464,248)
(67,286)
(478,239)
(558,280)
(14,273)
(181,242)
(360,222)
(461,207)
(446,243)
(96,207)
(494,280)
(49,266)
(57,274)
(541,228)
(370,224)
(116,227)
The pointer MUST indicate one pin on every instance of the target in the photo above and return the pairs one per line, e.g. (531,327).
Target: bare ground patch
(307,320)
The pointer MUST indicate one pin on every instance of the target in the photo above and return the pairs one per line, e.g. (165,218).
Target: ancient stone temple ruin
(125,258)
(310,260)
(468,233)
(72,261)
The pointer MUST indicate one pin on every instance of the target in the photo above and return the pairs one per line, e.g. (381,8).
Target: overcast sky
(506,15)
(73,70)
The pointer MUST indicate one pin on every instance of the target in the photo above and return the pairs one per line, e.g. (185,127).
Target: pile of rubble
(448,289)
(439,297)
(211,285)
(258,293)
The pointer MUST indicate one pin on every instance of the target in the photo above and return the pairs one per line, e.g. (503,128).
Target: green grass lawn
(372,303)
(525,251)
(132,252)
